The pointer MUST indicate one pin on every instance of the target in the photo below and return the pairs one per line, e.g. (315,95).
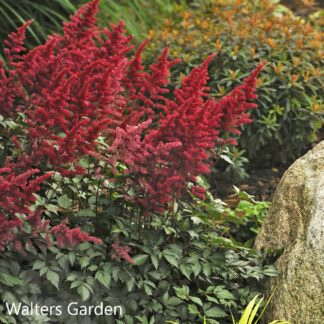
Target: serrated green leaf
(104,278)
(83,292)
(182,292)
(155,261)
(192,308)
(196,268)
(174,301)
(38,265)
(185,270)
(140,259)
(71,257)
(84,262)
(53,277)
(196,300)
(215,312)
(171,259)
(9,280)
(64,201)
(130,284)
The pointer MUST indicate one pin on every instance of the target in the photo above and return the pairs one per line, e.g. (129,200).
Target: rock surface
(295,225)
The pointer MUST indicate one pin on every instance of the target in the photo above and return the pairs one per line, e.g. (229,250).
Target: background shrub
(291,92)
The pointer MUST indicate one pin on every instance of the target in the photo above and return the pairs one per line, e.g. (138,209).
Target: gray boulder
(295,225)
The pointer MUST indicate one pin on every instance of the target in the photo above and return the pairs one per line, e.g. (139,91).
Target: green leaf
(156,275)
(10,280)
(140,259)
(43,271)
(196,300)
(182,292)
(207,269)
(63,261)
(174,301)
(196,268)
(71,257)
(215,312)
(249,310)
(72,276)
(86,213)
(84,246)
(193,309)
(84,262)
(130,284)
(83,292)
(185,270)
(171,259)
(64,201)
(226,158)
(115,274)
(76,283)
(53,277)
(38,265)
(155,261)
(104,278)
(148,290)
(225,294)
(52,208)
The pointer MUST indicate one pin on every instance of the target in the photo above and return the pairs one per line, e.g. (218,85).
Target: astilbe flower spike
(71,237)
(121,252)
(176,147)
(16,191)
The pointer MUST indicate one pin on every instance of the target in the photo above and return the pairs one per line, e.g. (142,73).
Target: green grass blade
(22,20)
(266,305)
(255,310)
(247,312)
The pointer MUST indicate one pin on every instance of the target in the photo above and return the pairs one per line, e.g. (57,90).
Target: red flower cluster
(121,252)
(173,144)
(16,191)
(82,85)
(70,237)
(69,89)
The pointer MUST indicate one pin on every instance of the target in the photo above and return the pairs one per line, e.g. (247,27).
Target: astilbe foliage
(82,85)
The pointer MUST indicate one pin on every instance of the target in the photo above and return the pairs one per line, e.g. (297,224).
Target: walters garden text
(73,309)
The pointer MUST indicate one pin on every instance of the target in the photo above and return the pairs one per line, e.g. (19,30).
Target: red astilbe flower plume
(67,237)
(82,24)
(69,88)
(176,146)
(121,252)
(236,104)
(15,44)
(16,191)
